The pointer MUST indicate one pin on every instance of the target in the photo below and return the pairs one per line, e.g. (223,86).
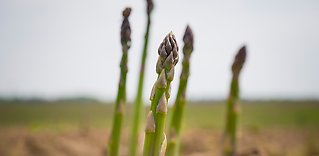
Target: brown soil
(92,142)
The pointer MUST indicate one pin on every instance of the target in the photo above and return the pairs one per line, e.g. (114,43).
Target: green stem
(160,119)
(148,142)
(158,93)
(138,109)
(149,134)
(178,108)
(231,120)
(158,105)
(175,128)
(159,132)
(119,108)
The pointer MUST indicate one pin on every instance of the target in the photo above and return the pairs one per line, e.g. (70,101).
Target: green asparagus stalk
(178,107)
(155,142)
(230,133)
(114,142)
(138,109)
(149,134)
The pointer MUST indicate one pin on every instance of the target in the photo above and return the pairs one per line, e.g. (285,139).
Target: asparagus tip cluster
(168,53)
(126,28)
(239,61)
(150,6)
(188,38)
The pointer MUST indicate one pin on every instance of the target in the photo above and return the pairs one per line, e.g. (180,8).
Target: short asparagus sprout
(230,133)
(178,107)
(138,104)
(155,142)
(114,142)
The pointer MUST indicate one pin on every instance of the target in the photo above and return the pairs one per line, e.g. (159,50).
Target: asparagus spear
(178,108)
(138,109)
(114,142)
(155,142)
(230,133)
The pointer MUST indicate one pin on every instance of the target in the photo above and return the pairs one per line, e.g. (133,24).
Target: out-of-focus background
(59,71)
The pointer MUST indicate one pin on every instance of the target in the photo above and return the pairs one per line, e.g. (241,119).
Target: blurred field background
(77,127)
(56,49)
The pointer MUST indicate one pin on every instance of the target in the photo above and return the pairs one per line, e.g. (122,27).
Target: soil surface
(92,142)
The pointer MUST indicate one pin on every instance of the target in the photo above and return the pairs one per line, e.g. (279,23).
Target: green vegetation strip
(260,114)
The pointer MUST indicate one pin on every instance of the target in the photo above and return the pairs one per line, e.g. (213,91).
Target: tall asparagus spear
(114,141)
(155,140)
(230,133)
(178,108)
(138,109)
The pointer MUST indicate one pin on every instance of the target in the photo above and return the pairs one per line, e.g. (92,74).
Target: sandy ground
(92,142)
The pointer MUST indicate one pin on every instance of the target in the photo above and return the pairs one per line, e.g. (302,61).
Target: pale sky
(59,48)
